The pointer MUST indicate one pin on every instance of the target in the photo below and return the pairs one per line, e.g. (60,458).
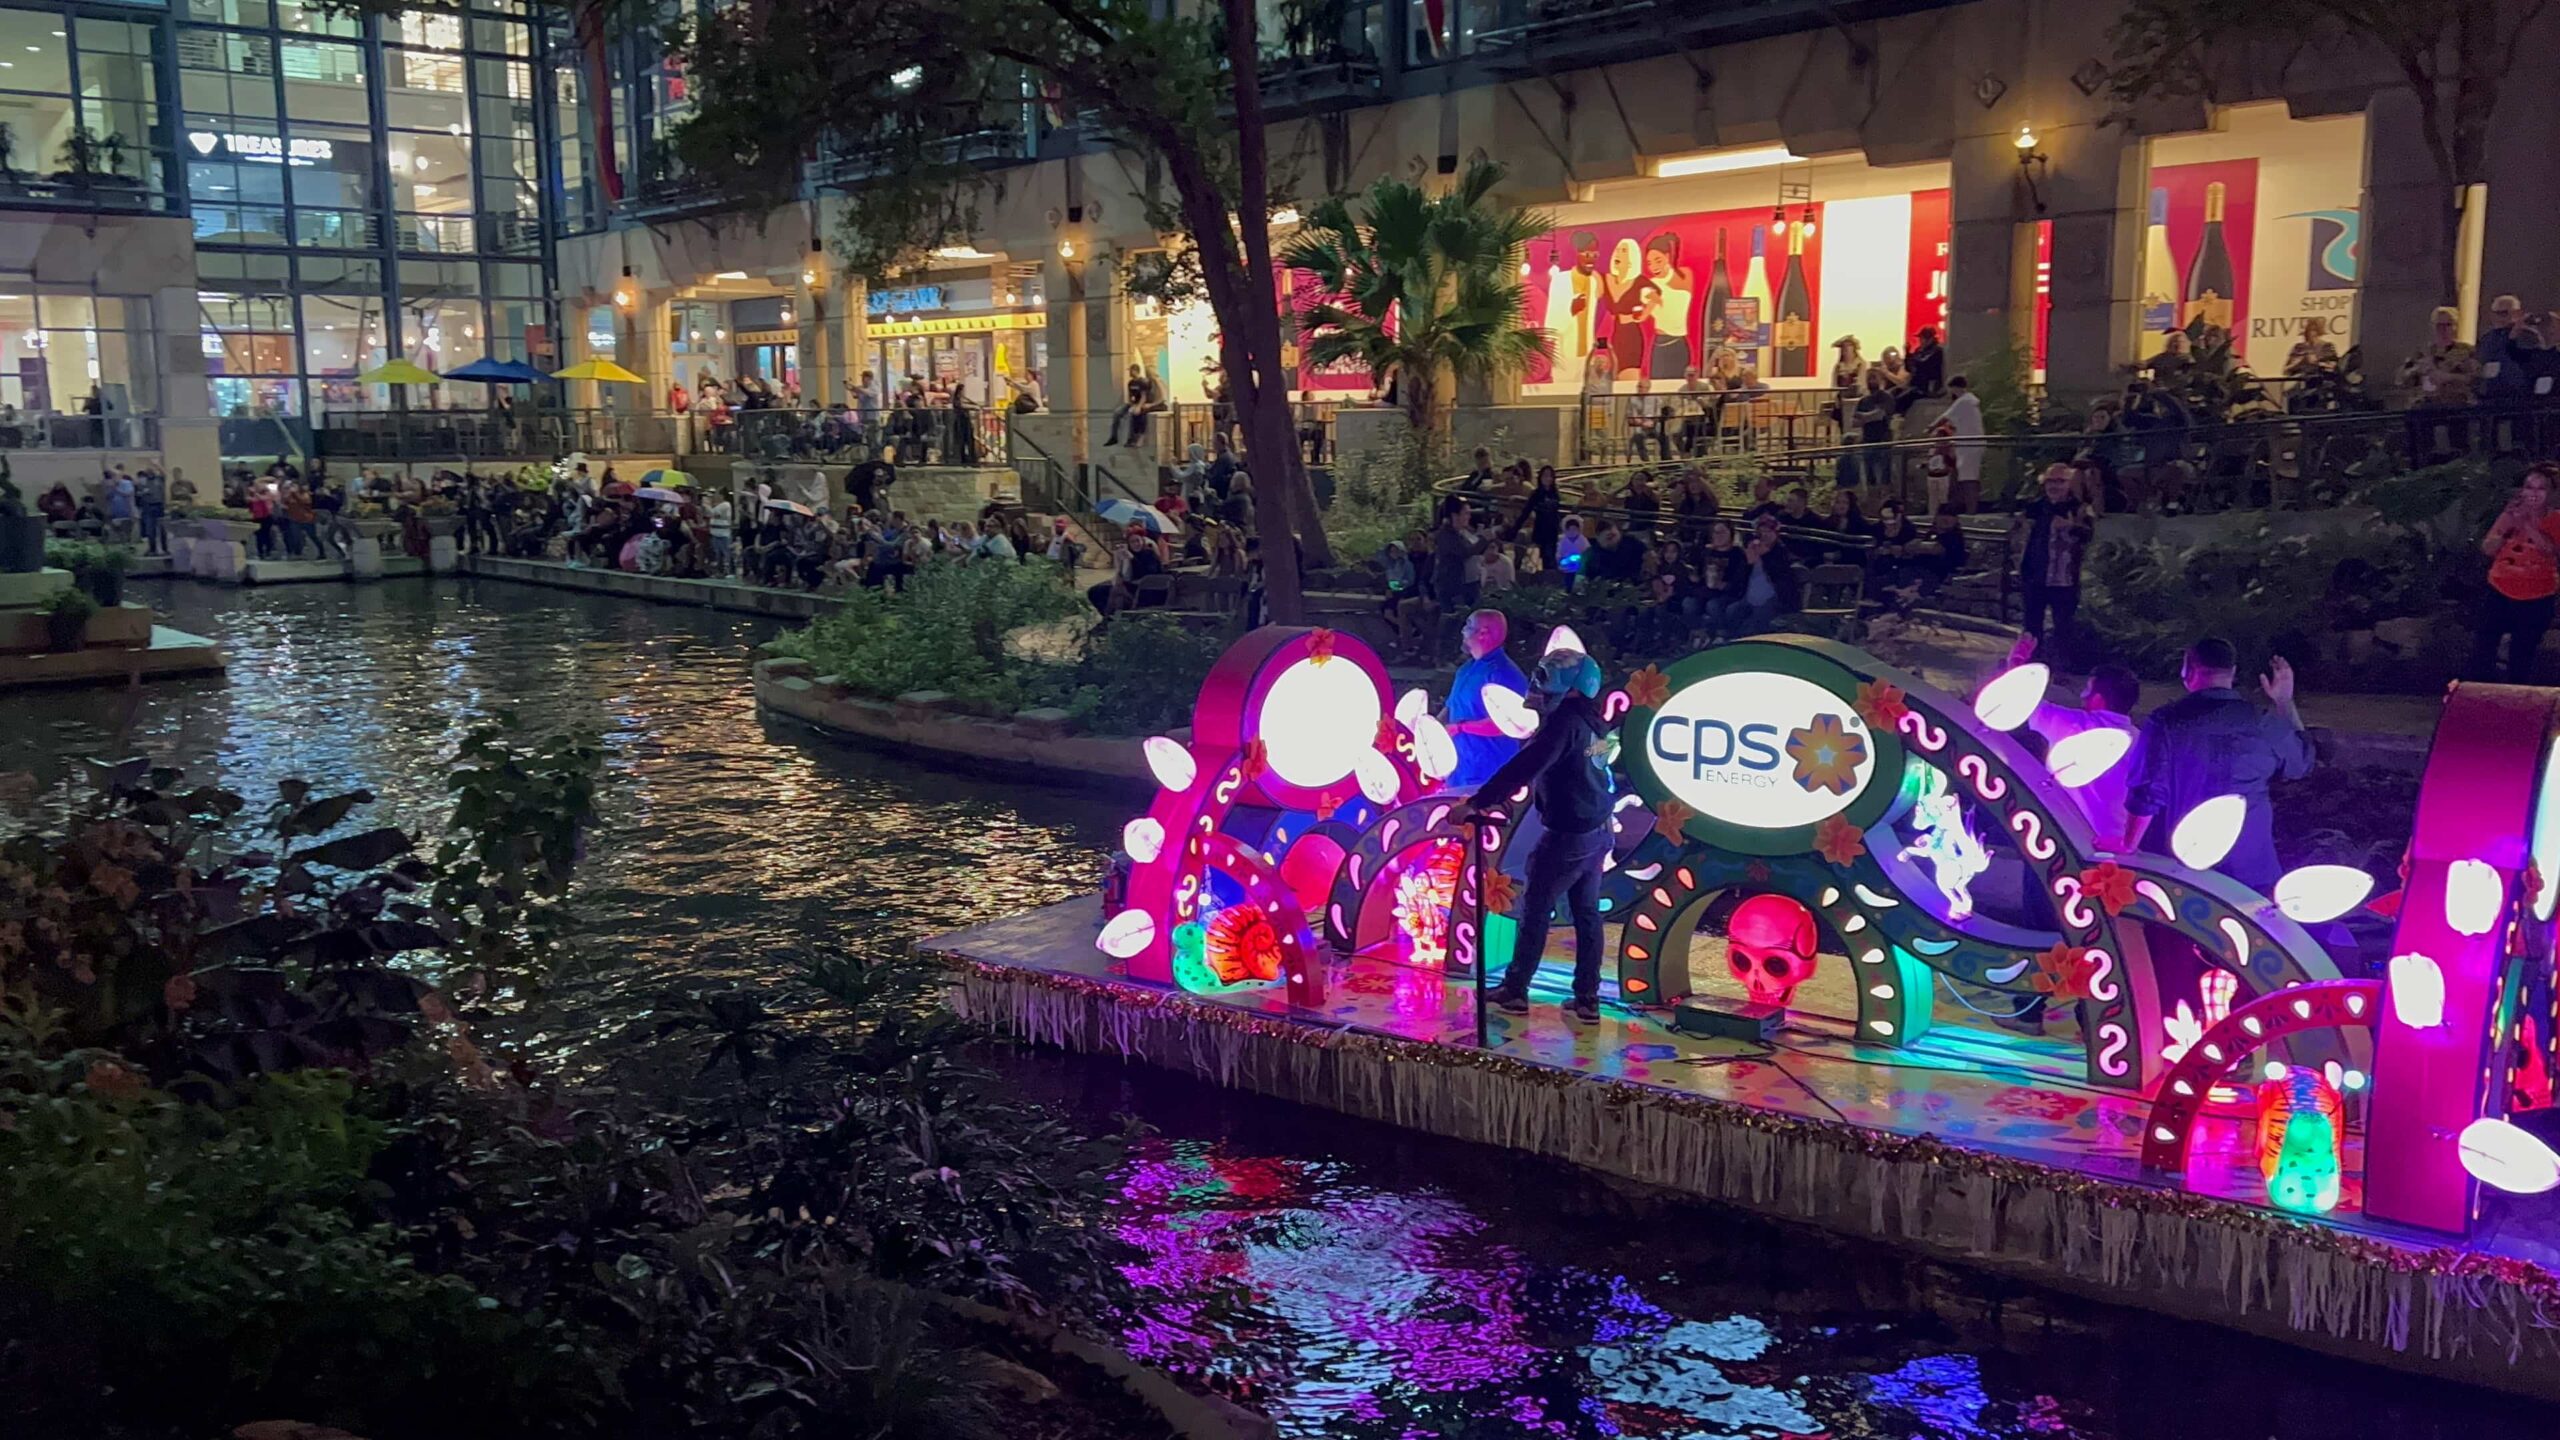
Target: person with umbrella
(1135,559)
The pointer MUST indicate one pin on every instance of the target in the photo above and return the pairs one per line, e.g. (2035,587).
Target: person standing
(151,493)
(1482,746)
(1565,767)
(1927,363)
(2215,741)
(1541,515)
(2055,530)
(1964,418)
(2504,352)
(124,510)
(722,519)
(2523,547)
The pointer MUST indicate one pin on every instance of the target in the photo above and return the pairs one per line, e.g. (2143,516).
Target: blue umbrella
(497,372)
(1121,511)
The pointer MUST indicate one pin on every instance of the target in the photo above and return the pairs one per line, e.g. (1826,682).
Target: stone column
(809,317)
(2403,265)
(190,433)
(2094,198)
(2524,184)
(644,339)
(1070,391)
(849,324)
(1106,337)
(1990,294)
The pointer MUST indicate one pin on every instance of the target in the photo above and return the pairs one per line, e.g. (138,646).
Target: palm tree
(1422,287)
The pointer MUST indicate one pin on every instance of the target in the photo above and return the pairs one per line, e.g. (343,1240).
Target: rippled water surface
(1353,1280)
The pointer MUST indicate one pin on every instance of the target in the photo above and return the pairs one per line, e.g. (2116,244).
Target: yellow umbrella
(397,372)
(604,370)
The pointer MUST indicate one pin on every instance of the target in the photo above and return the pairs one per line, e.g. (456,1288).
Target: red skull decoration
(1771,949)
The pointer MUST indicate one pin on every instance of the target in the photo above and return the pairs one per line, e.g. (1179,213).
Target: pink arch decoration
(2344,1004)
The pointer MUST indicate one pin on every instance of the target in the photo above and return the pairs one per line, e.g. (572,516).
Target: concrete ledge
(1034,749)
(170,654)
(663,589)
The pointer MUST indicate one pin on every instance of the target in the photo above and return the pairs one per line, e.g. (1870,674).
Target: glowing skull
(1771,949)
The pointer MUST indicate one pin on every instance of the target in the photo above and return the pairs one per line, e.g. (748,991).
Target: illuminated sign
(1760,750)
(263,149)
(911,298)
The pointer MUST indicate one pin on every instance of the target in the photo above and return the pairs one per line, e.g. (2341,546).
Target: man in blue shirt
(2216,741)
(1482,747)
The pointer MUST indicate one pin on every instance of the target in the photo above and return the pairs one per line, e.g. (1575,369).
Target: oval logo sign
(1761,750)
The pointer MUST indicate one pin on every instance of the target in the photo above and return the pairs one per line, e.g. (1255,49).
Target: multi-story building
(1857,168)
(216,214)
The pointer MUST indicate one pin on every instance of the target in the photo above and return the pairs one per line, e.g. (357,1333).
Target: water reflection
(1353,1280)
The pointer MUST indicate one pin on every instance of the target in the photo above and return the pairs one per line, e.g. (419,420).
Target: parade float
(1871,969)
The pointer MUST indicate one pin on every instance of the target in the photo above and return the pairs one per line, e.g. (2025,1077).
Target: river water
(1394,1286)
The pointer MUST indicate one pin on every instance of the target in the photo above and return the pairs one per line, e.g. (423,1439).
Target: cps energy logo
(1823,755)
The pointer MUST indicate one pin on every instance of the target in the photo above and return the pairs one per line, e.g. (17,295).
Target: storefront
(1756,255)
(979,331)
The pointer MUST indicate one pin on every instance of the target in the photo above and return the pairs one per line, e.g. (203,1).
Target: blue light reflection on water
(1353,1280)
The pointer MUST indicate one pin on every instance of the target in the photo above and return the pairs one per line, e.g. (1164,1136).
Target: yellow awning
(604,370)
(398,372)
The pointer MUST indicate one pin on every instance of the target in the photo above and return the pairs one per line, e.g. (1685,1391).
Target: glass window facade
(81,111)
(69,351)
(362,189)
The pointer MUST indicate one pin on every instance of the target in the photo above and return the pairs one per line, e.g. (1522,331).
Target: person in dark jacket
(1759,587)
(2213,742)
(1541,515)
(1565,767)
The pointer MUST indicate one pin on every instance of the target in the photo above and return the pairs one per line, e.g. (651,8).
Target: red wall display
(1641,288)
(1932,236)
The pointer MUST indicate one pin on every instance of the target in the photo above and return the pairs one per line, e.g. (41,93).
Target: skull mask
(1771,948)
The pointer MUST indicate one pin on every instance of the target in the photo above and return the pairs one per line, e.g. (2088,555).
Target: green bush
(946,632)
(1138,675)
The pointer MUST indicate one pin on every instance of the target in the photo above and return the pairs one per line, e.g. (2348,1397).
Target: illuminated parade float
(1844,911)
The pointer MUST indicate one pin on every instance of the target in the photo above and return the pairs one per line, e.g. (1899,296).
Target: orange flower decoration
(1326,804)
(1827,756)
(1648,688)
(1672,818)
(1320,645)
(2110,884)
(1880,704)
(1499,892)
(1257,757)
(1838,841)
(2065,973)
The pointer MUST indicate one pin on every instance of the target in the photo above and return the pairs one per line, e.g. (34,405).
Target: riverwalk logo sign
(1762,742)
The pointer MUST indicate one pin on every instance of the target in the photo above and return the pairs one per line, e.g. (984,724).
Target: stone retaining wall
(664,589)
(1034,744)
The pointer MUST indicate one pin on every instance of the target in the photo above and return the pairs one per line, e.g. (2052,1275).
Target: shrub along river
(1369,1282)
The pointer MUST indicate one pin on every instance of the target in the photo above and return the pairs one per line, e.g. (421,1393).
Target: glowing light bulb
(2474,897)
(1128,932)
(2208,832)
(1143,839)
(1434,752)
(2011,698)
(2506,1158)
(1563,638)
(1508,712)
(1378,779)
(2316,893)
(1412,705)
(1172,764)
(2417,991)
(2078,760)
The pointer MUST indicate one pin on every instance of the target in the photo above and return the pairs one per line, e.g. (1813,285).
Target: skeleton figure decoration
(1770,948)
(1943,840)
(2301,1133)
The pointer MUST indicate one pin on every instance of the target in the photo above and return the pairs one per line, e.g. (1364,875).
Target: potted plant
(102,574)
(21,534)
(66,620)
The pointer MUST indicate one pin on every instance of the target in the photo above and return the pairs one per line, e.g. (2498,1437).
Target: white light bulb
(1143,839)
(2208,832)
(1129,932)
(1434,752)
(1563,638)
(1411,704)
(1509,714)
(1378,778)
(2313,894)
(2010,700)
(2474,897)
(2417,991)
(2507,1158)
(2081,759)
(1172,765)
